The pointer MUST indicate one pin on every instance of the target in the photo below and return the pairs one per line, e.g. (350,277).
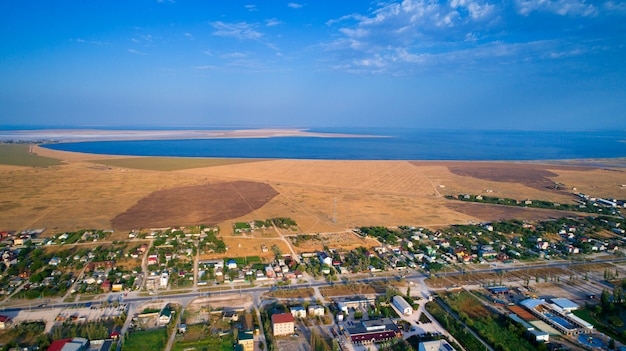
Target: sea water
(381,144)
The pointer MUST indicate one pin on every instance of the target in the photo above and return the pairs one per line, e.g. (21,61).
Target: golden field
(86,192)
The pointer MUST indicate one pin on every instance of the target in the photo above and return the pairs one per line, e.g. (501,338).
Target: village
(330,297)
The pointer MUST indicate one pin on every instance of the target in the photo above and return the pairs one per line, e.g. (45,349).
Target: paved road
(259,290)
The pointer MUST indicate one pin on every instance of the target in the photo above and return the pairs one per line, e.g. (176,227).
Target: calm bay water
(406,144)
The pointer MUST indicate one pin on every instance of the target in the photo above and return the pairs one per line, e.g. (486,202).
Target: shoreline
(616,163)
(39,138)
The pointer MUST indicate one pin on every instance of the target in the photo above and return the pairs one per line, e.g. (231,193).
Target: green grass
(601,325)
(171,163)
(206,342)
(18,155)
(495,329)
(244,260)
(146,340)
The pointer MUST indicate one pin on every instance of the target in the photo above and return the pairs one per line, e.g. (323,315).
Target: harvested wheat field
(76,195)
(321,196)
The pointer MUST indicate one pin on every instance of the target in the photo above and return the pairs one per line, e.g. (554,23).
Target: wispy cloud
(188,35)
(135,52)
(272,22)
(91,42)
(142,39)
(240,30)
(295,5)
(233,55)
(560,7)
(408,36)
(251,8)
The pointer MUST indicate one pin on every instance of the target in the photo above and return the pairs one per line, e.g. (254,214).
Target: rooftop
(282,318)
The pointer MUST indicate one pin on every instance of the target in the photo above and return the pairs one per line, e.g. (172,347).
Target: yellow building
(247,341)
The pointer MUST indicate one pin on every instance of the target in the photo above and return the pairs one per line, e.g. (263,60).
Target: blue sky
(515,64)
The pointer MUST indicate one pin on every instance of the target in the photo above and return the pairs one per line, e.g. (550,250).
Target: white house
(316,310)
(298,312)
(325,259)
(164,280)
(400,303)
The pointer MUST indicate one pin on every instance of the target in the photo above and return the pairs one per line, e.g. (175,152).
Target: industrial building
(400,303)
(373,331)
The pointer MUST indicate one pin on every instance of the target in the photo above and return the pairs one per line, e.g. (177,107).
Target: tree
(605,300)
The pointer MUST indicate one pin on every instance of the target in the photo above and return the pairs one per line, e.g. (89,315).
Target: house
(9,258)
(543,245)
(230,316)
(325,259)
(487,252)
(283,324)
(106,286)
(165,316)
(5,321)
(164,279)
(598,246)
(316,310)
(75,344)
(54,261)
(117,287)
(246,340)
(502,257)
(298,312)
(231,264)
(153,259)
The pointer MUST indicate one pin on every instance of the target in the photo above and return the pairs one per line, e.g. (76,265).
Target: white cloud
(91,42)
(233,55)
(135,52)
(241,30)
(188,35)
(142,38)
(410,36)
(294,5)
(251,8)
(560,7)
(272,22)
(613,7)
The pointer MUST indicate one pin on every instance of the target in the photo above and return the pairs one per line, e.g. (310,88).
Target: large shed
(402,305)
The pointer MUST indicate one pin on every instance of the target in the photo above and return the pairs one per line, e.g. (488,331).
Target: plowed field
(206,204)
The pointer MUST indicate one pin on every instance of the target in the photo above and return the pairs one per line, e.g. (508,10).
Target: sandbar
(78,135)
